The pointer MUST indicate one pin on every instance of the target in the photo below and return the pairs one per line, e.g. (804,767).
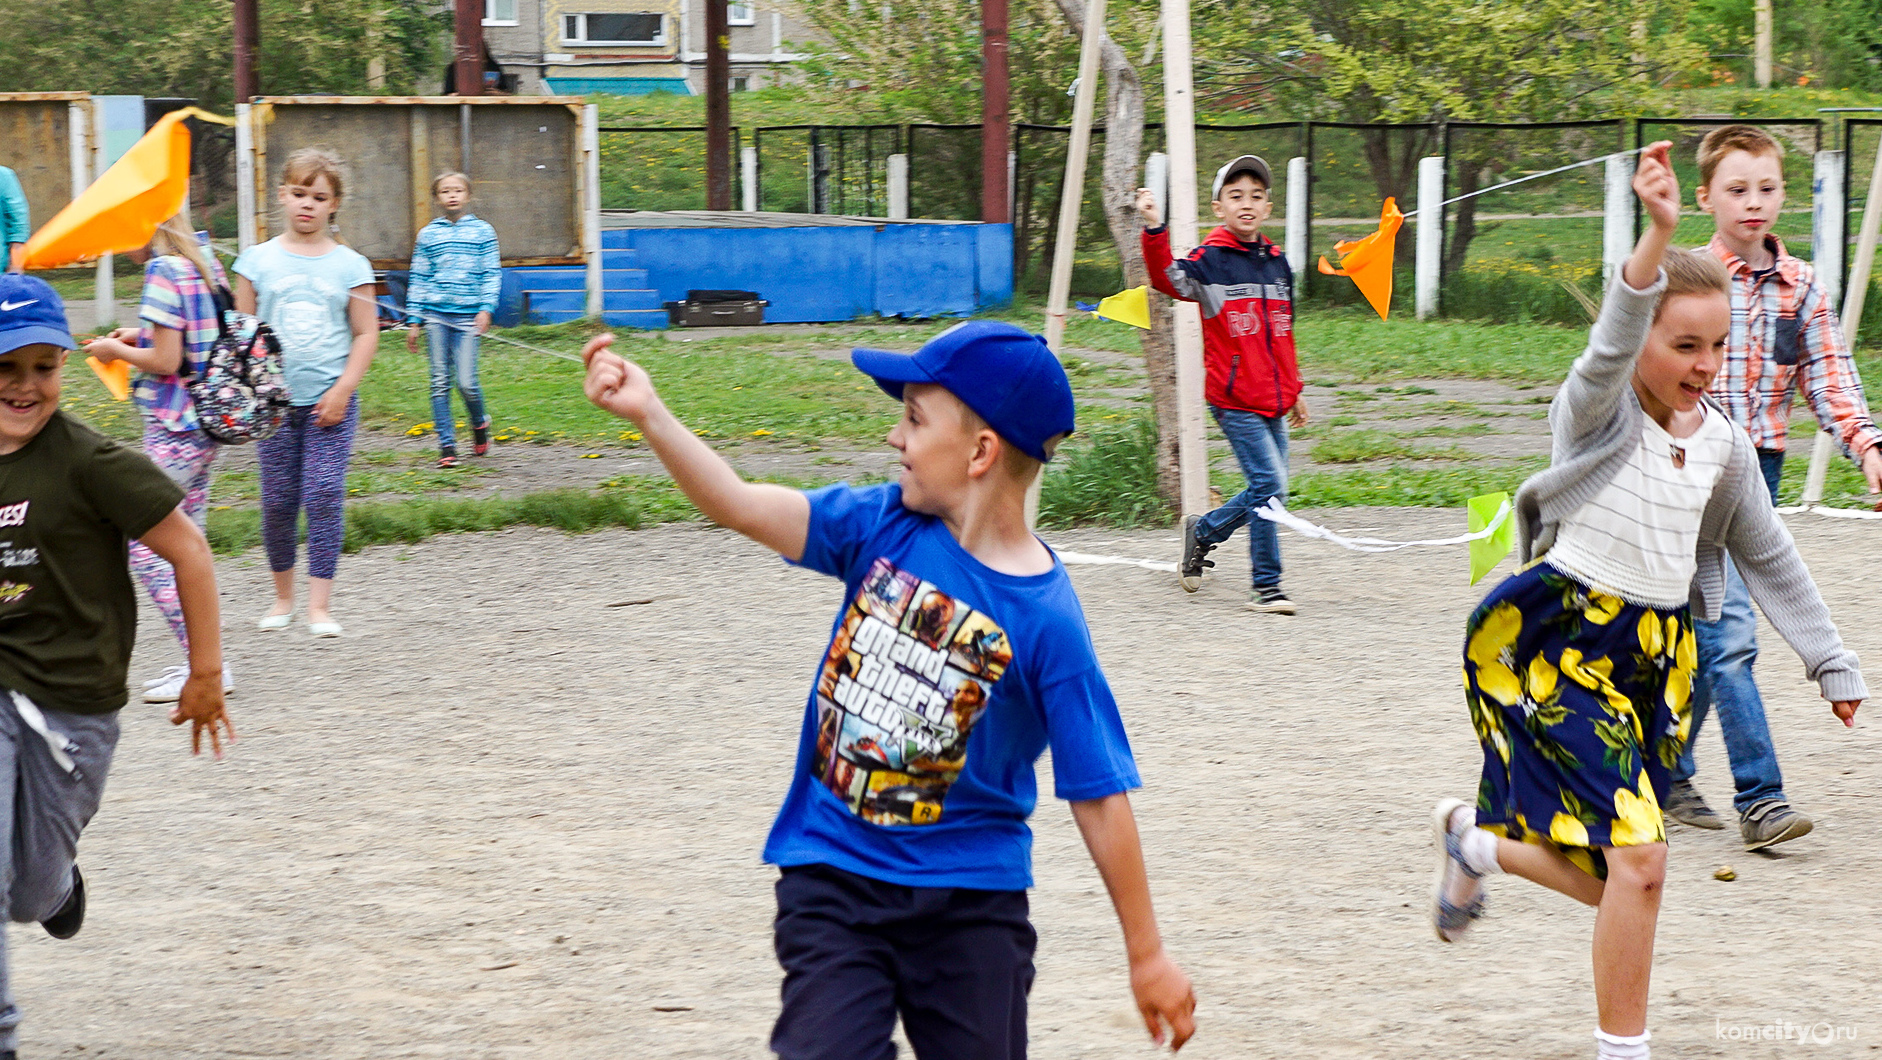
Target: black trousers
(955,964)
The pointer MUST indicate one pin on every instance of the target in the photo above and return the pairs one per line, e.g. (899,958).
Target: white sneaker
(166,675)
(170,688)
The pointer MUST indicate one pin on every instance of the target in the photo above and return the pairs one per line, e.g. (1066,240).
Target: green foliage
(1106,474)
(157,48)
(1832,43)
(1397,484)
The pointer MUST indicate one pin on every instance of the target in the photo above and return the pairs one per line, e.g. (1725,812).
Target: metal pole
(1829,221)
(468,60)
(591,217)
(748,162)
(1299,225)
(996,119)
(1617,217)
(1179,107)
(463,140)
(1428,255)
(898,187)
(718,108)
(1853,296)
(1072,190)
(247,42)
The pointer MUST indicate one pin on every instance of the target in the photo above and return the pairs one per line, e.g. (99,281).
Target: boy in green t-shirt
(71,501)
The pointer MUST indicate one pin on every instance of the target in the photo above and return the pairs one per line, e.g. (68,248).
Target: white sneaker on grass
(169,688)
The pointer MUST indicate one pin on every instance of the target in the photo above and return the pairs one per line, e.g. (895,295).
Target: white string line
(1530,177)
(1275,512)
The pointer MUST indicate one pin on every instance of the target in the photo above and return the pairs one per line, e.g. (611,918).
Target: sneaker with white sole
(1451,919)
(1195,556)
(1269,600)
(1685,805)
(170,688)
(167,674)
(1770,822)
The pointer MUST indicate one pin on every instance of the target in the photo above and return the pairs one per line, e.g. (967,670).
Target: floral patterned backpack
(240,395)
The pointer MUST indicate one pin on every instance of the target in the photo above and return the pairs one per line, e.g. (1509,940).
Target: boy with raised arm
(959,656)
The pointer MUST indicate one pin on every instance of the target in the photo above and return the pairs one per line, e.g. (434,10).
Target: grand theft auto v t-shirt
(70,502)
(943,683)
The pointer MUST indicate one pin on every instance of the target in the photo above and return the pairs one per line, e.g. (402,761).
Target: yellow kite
(1369,261)
(122,208)
(1127,307)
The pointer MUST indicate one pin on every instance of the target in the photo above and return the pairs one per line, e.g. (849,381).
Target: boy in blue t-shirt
(960,655)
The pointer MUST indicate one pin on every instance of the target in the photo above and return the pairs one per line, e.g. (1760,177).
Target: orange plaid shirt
(1784,327)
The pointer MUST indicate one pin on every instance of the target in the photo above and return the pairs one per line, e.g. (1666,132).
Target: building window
(741,84)
(641,28)
(499,12)
(741,15)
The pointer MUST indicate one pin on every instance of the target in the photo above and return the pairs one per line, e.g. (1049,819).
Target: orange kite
(1369,261)
(122,209)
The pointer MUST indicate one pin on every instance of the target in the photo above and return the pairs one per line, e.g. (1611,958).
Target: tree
(1406,61)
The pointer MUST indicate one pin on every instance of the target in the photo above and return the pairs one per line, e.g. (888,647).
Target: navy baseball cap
(31,312)
(1007,375)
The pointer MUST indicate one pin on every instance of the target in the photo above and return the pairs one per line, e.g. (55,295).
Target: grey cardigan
(1596,420)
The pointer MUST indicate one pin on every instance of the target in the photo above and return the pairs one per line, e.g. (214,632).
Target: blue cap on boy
(1007,375)
(31,312)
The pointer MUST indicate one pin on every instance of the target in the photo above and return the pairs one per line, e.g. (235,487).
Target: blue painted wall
(833,273)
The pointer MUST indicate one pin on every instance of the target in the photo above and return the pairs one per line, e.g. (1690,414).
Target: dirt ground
(517,810)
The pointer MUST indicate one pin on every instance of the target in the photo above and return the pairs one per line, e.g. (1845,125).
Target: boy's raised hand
(1656,186)
(615,384)
(1147,207)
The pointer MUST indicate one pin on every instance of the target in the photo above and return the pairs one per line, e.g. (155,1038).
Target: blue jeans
(1260,445)
(1728,649)
(451,339)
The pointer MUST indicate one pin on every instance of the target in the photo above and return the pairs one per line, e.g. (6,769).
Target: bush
(1108,476)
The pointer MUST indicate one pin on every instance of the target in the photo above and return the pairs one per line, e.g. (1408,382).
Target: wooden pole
(1853,295)
(1072,190)
(1179,105)
(468,54)
(718,108)
(247,42)
(996,119)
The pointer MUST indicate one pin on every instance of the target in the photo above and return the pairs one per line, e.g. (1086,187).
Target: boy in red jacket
(1246,290)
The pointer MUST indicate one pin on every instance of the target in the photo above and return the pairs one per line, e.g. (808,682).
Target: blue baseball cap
(1007,375)
(31,312)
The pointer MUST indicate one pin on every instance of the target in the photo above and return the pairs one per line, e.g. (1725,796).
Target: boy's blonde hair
(450,174)
(1692,272)
(1725,139)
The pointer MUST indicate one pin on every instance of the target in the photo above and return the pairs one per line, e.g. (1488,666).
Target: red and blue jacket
(1246,291)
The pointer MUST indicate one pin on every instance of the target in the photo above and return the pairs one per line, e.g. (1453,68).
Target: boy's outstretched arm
(1163,993)
(183,546)
(775,517)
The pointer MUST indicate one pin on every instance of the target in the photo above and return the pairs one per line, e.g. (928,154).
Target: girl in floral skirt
(1578,668)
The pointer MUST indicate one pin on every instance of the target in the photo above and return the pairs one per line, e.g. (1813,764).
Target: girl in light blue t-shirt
(318,297)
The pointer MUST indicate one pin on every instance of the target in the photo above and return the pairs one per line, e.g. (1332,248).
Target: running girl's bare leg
(1546,866)
(1623,936)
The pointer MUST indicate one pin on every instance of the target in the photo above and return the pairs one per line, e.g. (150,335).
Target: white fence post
(244,179)
(1299,225)
(1157,179)
(1829,227)
(748,178)
(1617,225)
(591,216)
(898,187)
(1179,115)
(1430,244)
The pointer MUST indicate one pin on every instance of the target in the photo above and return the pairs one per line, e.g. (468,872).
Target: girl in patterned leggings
(1578,668)
(317,295)
(179,314)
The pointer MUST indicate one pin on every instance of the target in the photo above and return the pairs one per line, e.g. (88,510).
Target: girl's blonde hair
(176,236)
(1692,272)
(451,174)
(309,164)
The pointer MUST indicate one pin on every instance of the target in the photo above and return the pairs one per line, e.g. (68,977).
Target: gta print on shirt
(908,674)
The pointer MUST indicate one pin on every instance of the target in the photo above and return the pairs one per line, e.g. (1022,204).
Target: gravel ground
(516,812)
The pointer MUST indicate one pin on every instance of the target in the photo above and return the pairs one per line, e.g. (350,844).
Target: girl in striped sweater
(1578,668)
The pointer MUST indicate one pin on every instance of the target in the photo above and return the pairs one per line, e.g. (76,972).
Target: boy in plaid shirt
(1784,332)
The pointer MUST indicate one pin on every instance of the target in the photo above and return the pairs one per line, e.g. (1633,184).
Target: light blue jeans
(1728,649)
(451,339)
(1260,445)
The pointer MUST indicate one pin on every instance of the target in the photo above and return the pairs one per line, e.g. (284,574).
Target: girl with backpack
(317,295)
(181,323)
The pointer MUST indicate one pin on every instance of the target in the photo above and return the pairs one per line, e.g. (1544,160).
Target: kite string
(1533,176)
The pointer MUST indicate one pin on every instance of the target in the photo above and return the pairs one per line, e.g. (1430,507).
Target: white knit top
(1638,537)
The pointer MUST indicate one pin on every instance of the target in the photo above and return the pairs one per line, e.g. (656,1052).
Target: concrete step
(575,278)
(619,318)
(577,301)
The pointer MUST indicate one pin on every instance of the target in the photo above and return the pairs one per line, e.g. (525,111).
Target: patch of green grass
(1106,475)
(1470,430)
(630,505)
(1366,349)
(1841,486)
(1352,447)
(1354,396)
(1342,421)
(1395,484)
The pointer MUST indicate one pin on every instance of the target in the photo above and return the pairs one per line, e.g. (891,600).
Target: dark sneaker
(71,916)
(1195,556)
(1270,600)
(447,456)
(480,435)
(1771,822)
(1685,805)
